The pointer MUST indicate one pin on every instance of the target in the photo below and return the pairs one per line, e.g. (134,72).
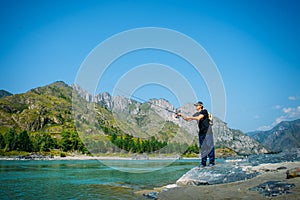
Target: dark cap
(198,103)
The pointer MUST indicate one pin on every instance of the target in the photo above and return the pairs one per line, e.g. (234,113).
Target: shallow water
(86,179)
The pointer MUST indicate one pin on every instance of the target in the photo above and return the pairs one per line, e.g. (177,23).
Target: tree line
(70,141)
(129,144)
(40,142)
(137,145)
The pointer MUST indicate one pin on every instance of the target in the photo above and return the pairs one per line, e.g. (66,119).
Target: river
(86,179)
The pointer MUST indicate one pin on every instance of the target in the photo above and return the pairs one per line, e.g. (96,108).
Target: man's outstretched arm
(190,118)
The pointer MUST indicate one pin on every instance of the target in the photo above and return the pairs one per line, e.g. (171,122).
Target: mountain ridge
(284,136)
(50,109)
(224,136)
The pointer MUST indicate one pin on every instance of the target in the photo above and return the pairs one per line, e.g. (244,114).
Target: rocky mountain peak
(163,108)
(121,103)
(83,93)
(105,100)
(162,103)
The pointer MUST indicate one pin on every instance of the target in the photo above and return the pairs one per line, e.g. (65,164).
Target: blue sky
(254,44)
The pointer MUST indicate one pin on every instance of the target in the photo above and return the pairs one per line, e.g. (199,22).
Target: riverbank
(246,189)
(59,155)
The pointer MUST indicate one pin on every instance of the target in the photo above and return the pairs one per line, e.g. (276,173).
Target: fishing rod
(143,100)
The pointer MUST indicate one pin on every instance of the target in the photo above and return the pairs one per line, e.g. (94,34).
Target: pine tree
(66,142)
(46,142)
(2,142)
(10,138)
(24,142)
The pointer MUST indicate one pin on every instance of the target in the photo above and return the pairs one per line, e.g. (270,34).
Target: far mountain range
(284,136)
(53,108)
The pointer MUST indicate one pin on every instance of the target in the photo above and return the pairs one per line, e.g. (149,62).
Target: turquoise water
(85,179)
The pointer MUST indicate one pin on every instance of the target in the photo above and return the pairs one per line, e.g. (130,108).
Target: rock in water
(293,173)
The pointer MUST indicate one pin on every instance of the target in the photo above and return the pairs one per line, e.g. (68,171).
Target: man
(205,134)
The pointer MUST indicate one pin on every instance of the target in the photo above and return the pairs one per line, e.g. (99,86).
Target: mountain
(284,136)
(107,123)
(224,136)
(157,111)
(37,109)
(4,93)
(141,120)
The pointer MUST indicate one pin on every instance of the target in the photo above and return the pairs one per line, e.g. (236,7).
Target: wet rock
(273,188)
(293,173)
(34,157)
(281,168)
(219,174)
(151,195)
(237,170)
(274,158)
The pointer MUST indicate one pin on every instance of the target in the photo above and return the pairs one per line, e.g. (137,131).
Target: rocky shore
(256,177)
(272,182)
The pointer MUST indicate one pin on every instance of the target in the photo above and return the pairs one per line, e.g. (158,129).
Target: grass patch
(13,153)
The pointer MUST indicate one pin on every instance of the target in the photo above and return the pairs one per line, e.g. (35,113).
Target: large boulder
(223,173)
